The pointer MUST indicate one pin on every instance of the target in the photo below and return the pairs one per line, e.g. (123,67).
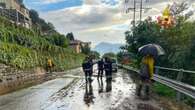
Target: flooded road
(69,93)
(73,99)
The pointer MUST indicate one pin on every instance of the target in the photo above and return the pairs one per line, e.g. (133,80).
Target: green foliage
(20,1)
(40,24)
(178,42)
(85,49)
(119,57)
(70,36)
(163,90)
(109,55)
(57,39)
(24,48)
(94,55)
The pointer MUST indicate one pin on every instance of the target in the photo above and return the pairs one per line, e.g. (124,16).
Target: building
(77,45)
(15,12)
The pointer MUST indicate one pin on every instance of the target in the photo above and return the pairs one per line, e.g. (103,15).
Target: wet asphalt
(69,93)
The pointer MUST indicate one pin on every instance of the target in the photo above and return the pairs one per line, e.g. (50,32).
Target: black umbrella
(151,49)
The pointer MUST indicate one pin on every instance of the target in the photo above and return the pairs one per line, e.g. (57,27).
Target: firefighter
(87,68)
(100,68)
(108,72)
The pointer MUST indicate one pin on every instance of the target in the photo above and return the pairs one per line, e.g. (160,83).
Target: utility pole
(141,7)
(135,10)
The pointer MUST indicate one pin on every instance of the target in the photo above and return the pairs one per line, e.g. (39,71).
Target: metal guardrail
(172,69)
(176,85)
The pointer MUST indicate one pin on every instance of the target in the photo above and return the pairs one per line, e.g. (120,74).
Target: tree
(51,26)
(94,54)
(109,55)
(20,1)
(178,42)
(70,36)
(46,28)
(120,57)
(34,16)
(86,49)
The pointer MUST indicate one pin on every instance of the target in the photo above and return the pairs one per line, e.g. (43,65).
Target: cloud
(92,2)
(103,35)
(51,1)
(96,21)
(99,20)
(44,2)
(85,17)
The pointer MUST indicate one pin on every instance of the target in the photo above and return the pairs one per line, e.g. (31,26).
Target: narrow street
(68,93)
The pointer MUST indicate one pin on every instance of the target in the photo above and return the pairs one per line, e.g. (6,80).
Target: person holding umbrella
(150,52)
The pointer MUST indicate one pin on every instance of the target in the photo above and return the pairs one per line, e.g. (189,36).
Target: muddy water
(122,96)
(32,98)
(57,95)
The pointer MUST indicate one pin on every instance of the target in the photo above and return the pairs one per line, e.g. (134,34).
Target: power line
(134,12)
(141,7)
(134,8)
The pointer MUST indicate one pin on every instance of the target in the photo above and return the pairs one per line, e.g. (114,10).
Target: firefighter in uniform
(108,72)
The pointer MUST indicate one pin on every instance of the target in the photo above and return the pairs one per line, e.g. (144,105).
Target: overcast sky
(93,20)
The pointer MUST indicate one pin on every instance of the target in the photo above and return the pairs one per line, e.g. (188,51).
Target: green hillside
(24,48)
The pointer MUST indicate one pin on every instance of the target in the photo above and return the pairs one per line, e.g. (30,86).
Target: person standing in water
(108,72)
(87,66)
(100,68)
(146,75)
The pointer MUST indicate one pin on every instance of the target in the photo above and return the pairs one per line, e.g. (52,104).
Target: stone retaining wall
(12,79)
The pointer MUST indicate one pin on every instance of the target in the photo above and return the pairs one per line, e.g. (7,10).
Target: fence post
(156,70)
(179,78)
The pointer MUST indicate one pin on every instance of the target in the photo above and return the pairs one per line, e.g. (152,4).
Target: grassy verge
(167,92)
(163,90)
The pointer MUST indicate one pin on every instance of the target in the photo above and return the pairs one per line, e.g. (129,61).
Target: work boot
(100,90)
(139,88)
(108,87)
(147,92)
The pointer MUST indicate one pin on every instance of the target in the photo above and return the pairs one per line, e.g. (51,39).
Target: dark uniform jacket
(86,66)
(100,65)
(108,66)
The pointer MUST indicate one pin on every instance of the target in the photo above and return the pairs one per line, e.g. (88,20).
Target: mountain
(105,47)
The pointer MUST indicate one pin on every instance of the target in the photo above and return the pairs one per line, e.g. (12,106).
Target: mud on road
(69,93)
(122,96)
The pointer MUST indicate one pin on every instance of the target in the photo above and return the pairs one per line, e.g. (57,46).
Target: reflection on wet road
(84,97)
(56,95)
(32,98)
